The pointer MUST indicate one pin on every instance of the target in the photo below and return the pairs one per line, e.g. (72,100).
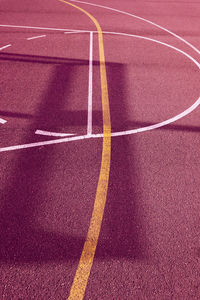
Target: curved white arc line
(140,37)
(49,133)
(161,124)
(158,42)
(143,19)
(121,133)
(113,134)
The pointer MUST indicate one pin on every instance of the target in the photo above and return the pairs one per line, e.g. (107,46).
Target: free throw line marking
(49,133)
(89,122)
(71,32)
(120,133)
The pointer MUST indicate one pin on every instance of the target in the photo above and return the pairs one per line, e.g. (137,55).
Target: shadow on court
(172,126)
(23,240)
(54,114)
(122,234)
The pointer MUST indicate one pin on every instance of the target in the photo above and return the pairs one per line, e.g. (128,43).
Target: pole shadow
(122,234)
(22,238)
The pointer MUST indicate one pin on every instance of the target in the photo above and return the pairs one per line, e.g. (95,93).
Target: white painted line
(6,46)
(36,37)
(48,133)
(78,31)
(161,124)
(108,8)
(41,28)
(89,122)
(120,133)
(142,19)
(45,143)
(114,134)
(156,41)
(2,121)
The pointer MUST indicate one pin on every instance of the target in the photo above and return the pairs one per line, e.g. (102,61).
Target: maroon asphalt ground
(149,245)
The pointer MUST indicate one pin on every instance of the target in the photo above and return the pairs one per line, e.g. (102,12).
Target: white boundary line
(89,122)
(36,37)
(86,31)
(161,124)
(156,41)
(49,133)
(45,143)
(42,28)
(121,133)
(6,46)
(143,19)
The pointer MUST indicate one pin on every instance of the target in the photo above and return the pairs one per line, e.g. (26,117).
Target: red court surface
(99,181)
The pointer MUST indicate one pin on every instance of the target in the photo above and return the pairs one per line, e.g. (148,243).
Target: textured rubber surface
(149,241)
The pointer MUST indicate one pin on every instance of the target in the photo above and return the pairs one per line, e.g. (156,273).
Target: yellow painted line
(86,260)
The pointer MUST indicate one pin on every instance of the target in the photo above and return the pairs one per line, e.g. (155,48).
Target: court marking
(6,46)
(87,256)
(139,128)
(50,133)
(142,19)
(90,88)
(89,121)
(77,32)
(36,37)
(120,133)
(2,121)
(40,28)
